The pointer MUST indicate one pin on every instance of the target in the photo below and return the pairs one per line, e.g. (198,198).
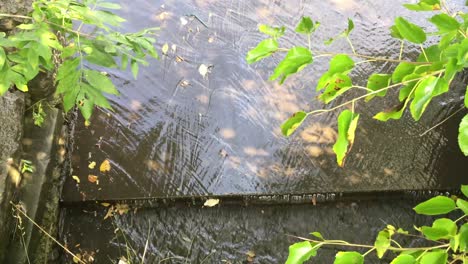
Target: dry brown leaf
(92,165)
(105,166)
(93,179)
(211,202)
(122,208)
(109,213)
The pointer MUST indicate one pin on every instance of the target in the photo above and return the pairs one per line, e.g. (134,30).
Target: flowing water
(177,133)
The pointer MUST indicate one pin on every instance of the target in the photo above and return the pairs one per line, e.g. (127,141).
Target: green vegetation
(52,40)
(418,82)
(449,239)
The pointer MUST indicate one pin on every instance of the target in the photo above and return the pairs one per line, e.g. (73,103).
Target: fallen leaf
(110,212)
(76,178)
(123,260)
(77,258)
(211,202)
(93,179)
(121,208)
(105,204)
(87,123)
(92,165)
(165,49)
(174,48)
(15,175)
(105,166)
(183,21)
(203,70)
(250,256)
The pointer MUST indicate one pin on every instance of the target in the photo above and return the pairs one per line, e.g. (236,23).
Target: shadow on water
(177,133)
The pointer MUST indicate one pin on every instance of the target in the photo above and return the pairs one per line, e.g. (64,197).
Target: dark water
(175,132)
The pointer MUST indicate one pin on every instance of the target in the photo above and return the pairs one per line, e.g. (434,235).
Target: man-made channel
(179,132)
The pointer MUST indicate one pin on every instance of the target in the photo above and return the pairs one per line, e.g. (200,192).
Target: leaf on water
(203,70)
(105,204)
(122,260)
(110,212)
(122,208)
(290,125)
(211,202)
(165,49)
(93,179)
(435,206)
(92,165)
(463,135)
(76,178)
(105,166)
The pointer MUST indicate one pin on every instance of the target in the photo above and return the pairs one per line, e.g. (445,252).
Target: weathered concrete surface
(14,7)
(11,129)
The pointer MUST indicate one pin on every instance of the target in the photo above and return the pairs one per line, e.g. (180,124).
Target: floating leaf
(435,206)
(463,135)
(203,70)
(92,165)
(301,251)
(296,59)
(105,166)
(165,49)
(262,50)
(211,202)
(347,123)
(410,31)
(349,257)
(93,179)
(76,178)
(290,125)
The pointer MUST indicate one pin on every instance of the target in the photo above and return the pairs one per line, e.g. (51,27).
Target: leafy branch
(450,237)
(419,82)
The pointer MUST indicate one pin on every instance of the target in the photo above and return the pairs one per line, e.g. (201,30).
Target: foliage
(418,82)
(27,166)
(448,237)
(52,39)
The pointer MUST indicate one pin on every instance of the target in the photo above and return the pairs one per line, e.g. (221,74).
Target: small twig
(401,49)
(423,52)
(351,45)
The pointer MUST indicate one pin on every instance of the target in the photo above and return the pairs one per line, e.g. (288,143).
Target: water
(175,133)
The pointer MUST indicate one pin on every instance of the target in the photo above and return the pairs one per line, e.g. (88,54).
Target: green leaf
(376,82)
(263,50)
(445,23)
(455,242)
(290,125)
(463,135)
(435,206)
(301,251)
(340,63)
(67,68)
(350,27)
(2,57)
(317,235)
(100,82)
(403,69)
(382,243)
(338,84)
(307,26)
(463,237)
(69,99)
(422,96)
(442,228)
(98,57)
(134,67)
(464,190)
(108,5)
(410,31)
(274,32)
(404,259)
(347,123)
(349,257)
(437,257)
(296,59)
(424,5)
(463,205)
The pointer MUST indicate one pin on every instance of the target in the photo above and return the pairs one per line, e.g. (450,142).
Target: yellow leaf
(105,204)
(109,213)
(165,48)
(93,179)
(105,166)
(211,202)
(122,208)
(76,178)
(92,165)
(15,175)
(77,258)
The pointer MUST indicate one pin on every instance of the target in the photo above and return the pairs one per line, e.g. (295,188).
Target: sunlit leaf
(442,228)
(464,190)
(463,205)
(445,23)
(262,50)
(296,59)
(410,31)
(347,123)
(422,96)
(105,166)
(376,82)
(93,179)
(437,257)
(403,69)
(211,202)
(424,5)
(76,178)
(349,257)
(463,135)
(301,252)
(307,26)
(290,125)
(436,206)
(92,165)
(274,32)
(382,243)
(404,259)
